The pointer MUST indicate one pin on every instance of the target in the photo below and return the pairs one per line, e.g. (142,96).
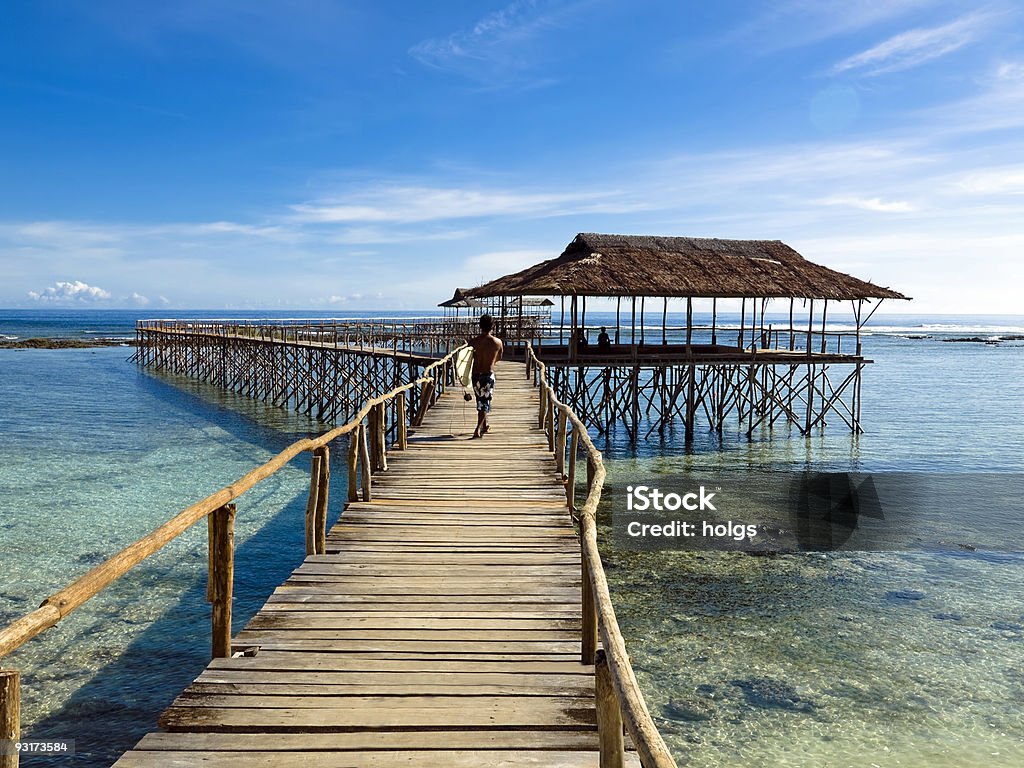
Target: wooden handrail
(61,603)
(633,709)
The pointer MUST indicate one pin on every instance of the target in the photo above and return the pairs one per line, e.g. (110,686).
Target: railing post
(373,424)
(403,435)
(549,418)
(353,462)
(10,715)
(563,420)
(609,716)
(323,492)
(541,409)
(570,483)
(364,459)
(222,577)
(588,639)
(316,467)
(426,393)
(382,438)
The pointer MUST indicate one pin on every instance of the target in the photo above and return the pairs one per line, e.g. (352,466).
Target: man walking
(487,351)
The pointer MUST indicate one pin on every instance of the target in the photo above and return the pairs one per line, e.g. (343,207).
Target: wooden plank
(440,625)
(390,759)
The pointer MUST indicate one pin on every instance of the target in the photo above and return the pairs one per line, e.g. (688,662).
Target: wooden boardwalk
(441,627)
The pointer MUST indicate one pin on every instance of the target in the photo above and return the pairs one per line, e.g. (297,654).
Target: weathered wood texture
(441,626)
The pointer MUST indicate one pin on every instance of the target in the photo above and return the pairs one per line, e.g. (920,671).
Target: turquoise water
(845,659)
(801,660)
(95,454)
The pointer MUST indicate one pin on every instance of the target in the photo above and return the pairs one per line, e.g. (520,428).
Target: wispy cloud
(1007,180)
(875,204)
(916,46)
(399,203)
(796,23)
(501,48)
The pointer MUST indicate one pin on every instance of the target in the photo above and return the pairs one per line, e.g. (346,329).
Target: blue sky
(352,155)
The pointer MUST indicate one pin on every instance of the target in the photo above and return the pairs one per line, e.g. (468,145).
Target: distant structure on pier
(760,371)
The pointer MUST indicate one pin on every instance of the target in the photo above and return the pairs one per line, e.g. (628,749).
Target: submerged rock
(766,693)
(905,594)
(1007,626)
(948,616)
(689,710)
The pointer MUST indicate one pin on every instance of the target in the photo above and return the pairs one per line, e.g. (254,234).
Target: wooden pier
(458,614)
(440,627)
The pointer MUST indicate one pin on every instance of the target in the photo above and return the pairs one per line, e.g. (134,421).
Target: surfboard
(464,365)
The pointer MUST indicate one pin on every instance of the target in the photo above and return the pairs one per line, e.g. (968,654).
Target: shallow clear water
(94,455)
(815,659)
(797,660)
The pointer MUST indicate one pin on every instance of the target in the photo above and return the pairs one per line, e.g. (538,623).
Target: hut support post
(689,324)
(664,321)
(632,332)
(824,338)
(221,577)
(810,327)
(561,324)
(743,320)
(792,337)
(10,714)
(714,321)
(609,716)
(618,308)
(643,304)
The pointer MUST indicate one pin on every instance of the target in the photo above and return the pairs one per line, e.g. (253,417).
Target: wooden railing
(618,696)
(367,454)
(408,334)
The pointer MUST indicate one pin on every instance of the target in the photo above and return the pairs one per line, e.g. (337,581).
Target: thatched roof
(461,298)
(631,265)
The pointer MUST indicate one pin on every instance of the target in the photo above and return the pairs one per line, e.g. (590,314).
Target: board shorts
(483,388)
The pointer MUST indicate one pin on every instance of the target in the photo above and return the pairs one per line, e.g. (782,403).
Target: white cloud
(70,292)
(871,204)
(1008,180)
(138,299)
(400,203)
(915,47)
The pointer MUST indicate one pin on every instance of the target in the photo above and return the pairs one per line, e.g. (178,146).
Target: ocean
(842,658)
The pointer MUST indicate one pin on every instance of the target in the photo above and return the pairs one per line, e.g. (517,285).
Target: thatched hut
(640,267)
(772,372)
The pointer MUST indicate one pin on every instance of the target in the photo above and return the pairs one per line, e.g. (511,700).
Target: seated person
(604,343)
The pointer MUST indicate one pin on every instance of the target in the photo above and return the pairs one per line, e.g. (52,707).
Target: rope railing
(367,454)
(618,696)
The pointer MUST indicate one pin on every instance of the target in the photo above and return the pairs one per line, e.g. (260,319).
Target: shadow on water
(124,697)
(122,701)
